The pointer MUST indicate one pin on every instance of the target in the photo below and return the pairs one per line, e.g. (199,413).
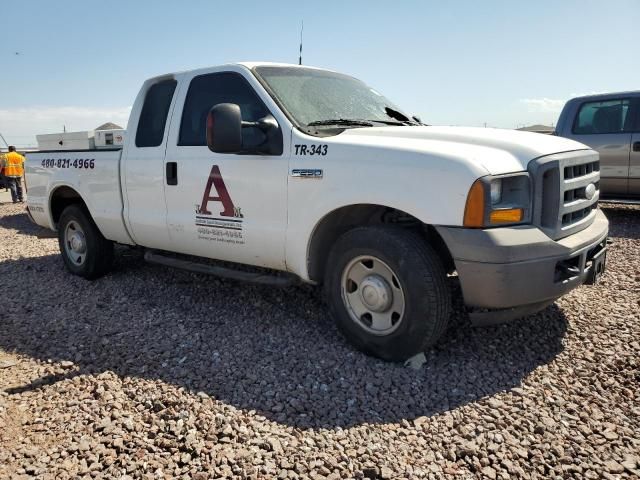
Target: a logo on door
(224,226)
(216,181)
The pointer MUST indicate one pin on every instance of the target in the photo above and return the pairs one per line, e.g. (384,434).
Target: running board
(283,280)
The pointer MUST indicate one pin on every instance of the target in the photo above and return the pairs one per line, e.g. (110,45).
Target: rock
(489,473)
(468,449)
(416,362)
(275,445)
(630,463)
(522,453)
(419,421)
(613,467)
(104,423)
(7,363)
(127,423)
(386,473)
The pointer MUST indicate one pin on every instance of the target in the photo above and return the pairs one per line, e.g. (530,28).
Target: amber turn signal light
(508,215)
(474,209)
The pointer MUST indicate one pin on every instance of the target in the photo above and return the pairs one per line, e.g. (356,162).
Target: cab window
(611,116)
(153,116)
(205,91)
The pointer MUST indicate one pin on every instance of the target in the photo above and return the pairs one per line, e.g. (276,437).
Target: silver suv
(610,124)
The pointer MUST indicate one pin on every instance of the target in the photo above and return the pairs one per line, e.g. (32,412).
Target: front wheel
(85,251)
(387,290)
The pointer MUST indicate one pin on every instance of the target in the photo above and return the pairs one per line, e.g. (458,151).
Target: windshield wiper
(396,115)
(388,122)
(341,121)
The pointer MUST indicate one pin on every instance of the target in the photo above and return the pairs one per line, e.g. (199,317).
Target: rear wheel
(85,251)
(387,290)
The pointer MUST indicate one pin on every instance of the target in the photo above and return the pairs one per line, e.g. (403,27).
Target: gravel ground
(154,373)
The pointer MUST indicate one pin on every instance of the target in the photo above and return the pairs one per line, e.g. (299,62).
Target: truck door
(142,170)
(634,160)
(226,206)
(605,127)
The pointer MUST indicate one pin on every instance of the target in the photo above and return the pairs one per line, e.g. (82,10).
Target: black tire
(97,258)
(422,281)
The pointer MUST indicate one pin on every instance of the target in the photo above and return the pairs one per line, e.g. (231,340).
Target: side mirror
(271,143)
(224,132)
(224,128)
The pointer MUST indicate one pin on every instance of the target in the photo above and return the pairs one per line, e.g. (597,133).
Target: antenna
(301,30)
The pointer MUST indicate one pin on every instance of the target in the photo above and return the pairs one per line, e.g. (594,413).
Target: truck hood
(489,150)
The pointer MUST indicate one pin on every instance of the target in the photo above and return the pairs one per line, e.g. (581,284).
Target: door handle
(636,146)
(172,173)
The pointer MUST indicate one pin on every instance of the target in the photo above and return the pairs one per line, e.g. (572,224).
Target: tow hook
(567,270)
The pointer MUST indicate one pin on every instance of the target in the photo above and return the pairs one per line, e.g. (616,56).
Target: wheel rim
(75,243)
(373,295)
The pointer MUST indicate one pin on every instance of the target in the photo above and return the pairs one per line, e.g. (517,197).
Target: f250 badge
(226,226)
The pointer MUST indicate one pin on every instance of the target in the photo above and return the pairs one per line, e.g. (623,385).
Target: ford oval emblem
(589,191)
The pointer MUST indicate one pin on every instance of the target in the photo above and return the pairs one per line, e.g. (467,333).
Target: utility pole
(301,30)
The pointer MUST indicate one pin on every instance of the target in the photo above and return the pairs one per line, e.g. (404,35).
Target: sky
(77,64)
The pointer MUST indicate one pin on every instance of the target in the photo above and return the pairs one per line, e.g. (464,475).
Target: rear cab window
(609,116)
(153,117)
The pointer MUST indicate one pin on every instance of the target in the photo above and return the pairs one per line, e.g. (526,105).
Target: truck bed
(93,174)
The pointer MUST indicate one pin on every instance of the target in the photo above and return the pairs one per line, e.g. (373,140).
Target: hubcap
(376,293)
(75,243)
(373,295)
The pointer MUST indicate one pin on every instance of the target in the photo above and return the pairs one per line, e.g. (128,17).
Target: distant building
(109,126)
(538,129)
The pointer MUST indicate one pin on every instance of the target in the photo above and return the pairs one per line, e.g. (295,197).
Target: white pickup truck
(316,175)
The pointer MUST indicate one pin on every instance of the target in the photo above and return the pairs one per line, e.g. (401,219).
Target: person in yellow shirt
(13,166)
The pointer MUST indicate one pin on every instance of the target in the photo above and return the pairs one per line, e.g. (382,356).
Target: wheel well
(346,218)
(61,198)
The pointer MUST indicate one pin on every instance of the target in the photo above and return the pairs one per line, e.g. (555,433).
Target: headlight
(500,200)
(496,191)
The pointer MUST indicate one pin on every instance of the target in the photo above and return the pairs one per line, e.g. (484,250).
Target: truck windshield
(320,98)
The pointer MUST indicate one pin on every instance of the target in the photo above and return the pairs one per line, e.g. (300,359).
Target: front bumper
(510,267)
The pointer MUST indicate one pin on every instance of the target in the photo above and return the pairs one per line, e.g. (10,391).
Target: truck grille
(576,171)
(569,218)
(566,191)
